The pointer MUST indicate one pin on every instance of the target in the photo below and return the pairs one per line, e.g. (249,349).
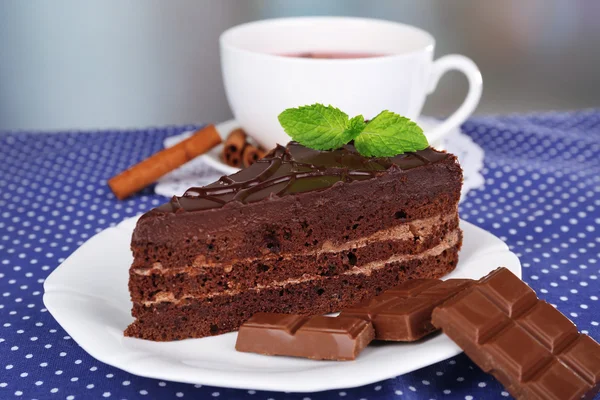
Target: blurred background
(114,64)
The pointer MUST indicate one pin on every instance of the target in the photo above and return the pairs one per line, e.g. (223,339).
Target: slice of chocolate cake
(301,231)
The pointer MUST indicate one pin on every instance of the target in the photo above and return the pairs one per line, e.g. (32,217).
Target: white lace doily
(470,155)
(201,171)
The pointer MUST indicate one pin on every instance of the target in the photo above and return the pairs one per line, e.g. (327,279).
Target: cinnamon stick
(251,154)
(141,175)
(233,147)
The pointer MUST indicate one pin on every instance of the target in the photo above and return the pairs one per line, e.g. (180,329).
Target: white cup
(261,82)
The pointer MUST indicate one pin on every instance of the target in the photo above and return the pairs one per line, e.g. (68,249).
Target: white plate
(88,296)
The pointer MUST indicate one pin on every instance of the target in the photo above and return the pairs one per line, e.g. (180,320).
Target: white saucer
(88,296)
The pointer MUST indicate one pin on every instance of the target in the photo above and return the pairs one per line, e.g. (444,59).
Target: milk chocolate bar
(319,337)
(528,345)
(404,312)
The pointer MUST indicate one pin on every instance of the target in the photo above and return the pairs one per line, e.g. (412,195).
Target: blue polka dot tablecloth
(541,196)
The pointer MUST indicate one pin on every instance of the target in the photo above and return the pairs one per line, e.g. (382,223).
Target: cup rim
(225,40)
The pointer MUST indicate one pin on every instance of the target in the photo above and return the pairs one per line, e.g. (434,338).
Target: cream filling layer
(449,241)
(419,228)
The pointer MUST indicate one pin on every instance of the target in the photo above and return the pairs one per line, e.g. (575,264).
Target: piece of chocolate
(319,337)
(403,313)
(527,344)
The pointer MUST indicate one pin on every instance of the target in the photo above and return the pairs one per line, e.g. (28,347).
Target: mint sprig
(389,134)
(322,127)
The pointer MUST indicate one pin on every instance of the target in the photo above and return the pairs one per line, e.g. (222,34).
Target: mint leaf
(319,127)
(355,126)
(389,134)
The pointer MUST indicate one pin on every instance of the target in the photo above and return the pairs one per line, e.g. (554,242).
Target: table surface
(542,196)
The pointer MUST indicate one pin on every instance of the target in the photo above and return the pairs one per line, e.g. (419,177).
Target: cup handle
(468,67)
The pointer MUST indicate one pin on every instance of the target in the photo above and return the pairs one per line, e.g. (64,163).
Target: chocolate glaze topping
(295,169)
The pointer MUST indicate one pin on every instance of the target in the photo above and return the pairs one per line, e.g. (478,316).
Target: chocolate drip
(295,169)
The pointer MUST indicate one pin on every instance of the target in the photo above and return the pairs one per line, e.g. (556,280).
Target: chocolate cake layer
(409,239)
(301,231)
(343,198)
(173,320)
